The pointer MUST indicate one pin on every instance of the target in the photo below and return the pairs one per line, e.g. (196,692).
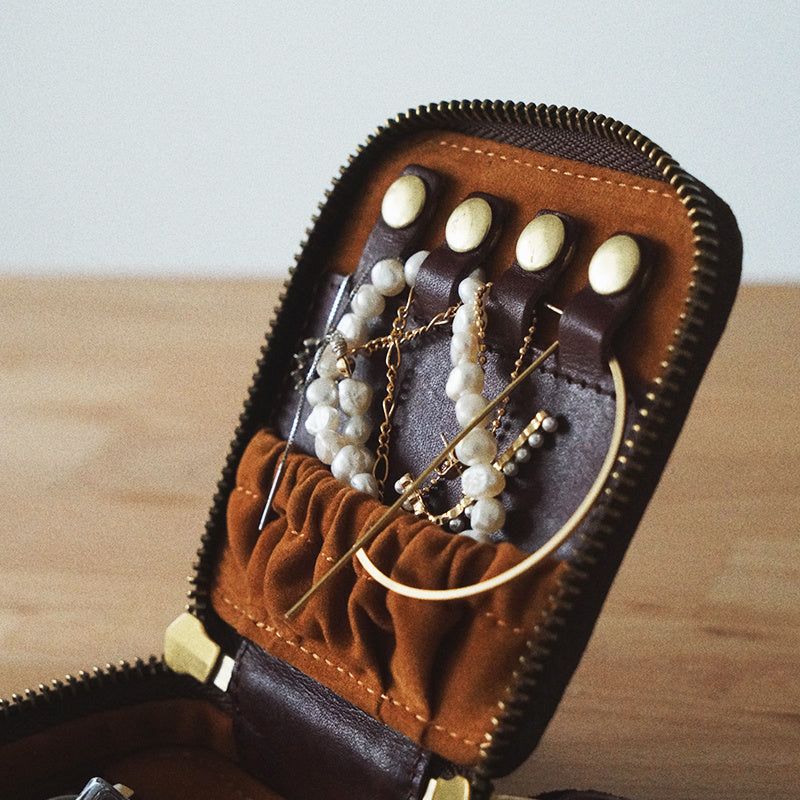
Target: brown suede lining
(602,201)
(185,773)
(433,671)
(437,672)
(165,750)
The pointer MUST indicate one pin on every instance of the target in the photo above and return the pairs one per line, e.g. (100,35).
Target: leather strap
(588,325)
(511,303)
(436,287)
(387,242)
(306,742)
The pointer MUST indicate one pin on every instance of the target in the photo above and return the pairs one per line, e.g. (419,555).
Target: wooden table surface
(119,398)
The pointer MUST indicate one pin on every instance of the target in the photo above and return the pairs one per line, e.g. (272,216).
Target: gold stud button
(614,264)
(403,201)
(540,242)
(468,225)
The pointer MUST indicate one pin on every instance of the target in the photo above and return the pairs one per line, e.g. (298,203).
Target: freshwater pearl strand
(477,451)
(339,402)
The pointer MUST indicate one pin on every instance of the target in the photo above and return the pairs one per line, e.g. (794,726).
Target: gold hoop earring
(545,550)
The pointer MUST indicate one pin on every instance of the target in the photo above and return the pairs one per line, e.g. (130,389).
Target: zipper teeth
(647,430)
(83,684)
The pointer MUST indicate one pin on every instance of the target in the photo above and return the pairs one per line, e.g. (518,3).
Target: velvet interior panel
(164,750)
(436,672)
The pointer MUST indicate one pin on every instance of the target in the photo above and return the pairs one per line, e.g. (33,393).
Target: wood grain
(118,401)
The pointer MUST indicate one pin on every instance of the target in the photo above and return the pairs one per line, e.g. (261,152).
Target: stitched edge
(501,623)
(299,534)
(554,170)
(271,629)
(493,618)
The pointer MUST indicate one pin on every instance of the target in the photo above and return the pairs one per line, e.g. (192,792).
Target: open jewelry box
(478,369)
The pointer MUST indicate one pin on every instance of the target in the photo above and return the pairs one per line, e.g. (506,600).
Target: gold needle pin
(387,515)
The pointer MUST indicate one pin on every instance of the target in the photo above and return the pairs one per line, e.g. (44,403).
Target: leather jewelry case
(478,369)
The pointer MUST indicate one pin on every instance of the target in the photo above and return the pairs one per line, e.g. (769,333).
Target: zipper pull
(456,788)
(189,650)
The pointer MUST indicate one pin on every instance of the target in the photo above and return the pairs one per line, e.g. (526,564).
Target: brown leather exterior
(439,673)
(366,692)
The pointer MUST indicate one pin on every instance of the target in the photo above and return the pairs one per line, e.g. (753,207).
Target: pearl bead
(468,406)
(522,456)
(468,288)
(536,440)
(327,444)
(464,319)
(412,265)
(614,264)
(365,482)
(478,536)
(549,424)
(468,225)
(367,302)
(388,277)
(357,429)
(403,201)
(322,418)
(326,364)
(488,515)
(354,329)
(322,392)
(510,469)
(464,377)
(482,480)
(477,447)
(354,396)
(540,242)
(464,346)
(349,461)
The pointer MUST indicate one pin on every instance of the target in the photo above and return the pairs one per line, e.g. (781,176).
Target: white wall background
(197,138)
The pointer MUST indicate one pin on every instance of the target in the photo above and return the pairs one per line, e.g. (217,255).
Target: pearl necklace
(339,402)
(483,474)
(480,480)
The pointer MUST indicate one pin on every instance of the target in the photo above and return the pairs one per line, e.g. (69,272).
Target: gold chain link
(382,342)
(480,321)
(526,342)
(393,358)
